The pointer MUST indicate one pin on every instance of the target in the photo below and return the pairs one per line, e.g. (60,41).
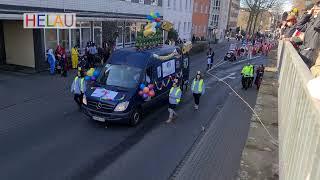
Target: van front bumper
(117,117)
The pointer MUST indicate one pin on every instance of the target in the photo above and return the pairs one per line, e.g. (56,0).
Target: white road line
(230,76)
(246,60)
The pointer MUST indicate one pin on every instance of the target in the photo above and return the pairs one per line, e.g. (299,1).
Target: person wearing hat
(290,27)
(198,89)
(174,99)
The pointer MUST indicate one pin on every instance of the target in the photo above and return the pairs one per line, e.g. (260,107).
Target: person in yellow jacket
(174,100)
(74,57)
(198,89)
(78,88)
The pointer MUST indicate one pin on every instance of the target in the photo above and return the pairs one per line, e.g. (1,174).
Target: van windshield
(120,75)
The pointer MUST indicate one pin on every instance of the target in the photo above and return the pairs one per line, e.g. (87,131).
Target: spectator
(311,39)
(315,69)
(289,27)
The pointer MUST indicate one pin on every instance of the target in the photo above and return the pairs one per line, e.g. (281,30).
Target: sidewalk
(260,155)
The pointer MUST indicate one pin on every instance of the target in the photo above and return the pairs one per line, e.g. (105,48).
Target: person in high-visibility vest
(251,67)
(174,100)
(246,73)
(198,89)
(78,88)
(74,57)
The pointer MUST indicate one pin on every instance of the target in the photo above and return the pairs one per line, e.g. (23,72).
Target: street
(44,136)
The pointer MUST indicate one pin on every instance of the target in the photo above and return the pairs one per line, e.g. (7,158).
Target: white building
(218,18)
(179,12)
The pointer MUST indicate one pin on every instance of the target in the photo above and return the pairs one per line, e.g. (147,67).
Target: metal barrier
(299,119)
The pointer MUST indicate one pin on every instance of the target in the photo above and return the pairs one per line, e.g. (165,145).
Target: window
(51,38)
(141,1)
(180,5)
(204,29)
(200,8)
(174,4)
(189,26)
(168,3)
(64,38)
(195,7)
(206,12)
(119,38)
(97,34)
(179,25)
(75,37)
(184,27)
(85,33)
(186,5)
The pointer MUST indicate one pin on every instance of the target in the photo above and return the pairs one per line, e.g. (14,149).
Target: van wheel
(135,118)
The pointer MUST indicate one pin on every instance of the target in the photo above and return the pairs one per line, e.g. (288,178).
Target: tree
(256,8)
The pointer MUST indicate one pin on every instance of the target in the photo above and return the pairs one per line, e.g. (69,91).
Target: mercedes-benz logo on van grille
(99,105)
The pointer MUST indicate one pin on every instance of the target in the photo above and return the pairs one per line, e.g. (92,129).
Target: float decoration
(92,74)
(147,92)
(151,35)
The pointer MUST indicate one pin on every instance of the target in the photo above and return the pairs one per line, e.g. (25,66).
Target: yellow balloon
(147,32)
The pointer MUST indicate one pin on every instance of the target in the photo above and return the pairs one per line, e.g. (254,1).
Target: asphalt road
(43,136)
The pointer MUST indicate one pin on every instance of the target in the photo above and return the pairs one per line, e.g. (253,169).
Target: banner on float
(49,20)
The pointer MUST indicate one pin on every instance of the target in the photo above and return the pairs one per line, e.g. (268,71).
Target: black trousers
(196,98)
(78,99)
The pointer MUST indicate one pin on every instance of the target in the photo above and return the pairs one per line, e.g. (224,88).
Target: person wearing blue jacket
(51,61)
(174,99)
(78,88)
(198,89)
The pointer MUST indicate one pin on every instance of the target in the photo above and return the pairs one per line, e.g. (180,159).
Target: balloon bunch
(147,91)
(154,22)
(92,74)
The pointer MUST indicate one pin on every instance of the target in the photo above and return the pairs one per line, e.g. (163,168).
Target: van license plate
(98,118)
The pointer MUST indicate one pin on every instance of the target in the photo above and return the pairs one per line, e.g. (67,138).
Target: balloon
(87,78)
(158,19)
(146,90)
(152,93)
(158,25)
(149,17)
(141,93)
(153,15)
(96,73)
(148,32)
(142,86)
(145,96)
(158,14)
(154,24)
(151,86)
(93,78)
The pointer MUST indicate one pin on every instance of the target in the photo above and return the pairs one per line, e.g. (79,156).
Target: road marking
(246,60)
(230,76)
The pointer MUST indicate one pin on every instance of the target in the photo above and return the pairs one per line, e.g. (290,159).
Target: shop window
(85,36)
(64,38)
(98,36)
(120,37)
(51,38)
(127,36)
(75,37)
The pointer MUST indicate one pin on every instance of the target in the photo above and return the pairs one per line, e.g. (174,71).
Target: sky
(287,5)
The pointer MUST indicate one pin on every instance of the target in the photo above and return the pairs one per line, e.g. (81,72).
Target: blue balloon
(158,14)
(158,25)
(96,73)
(87,78)
(149,17)
(142,86)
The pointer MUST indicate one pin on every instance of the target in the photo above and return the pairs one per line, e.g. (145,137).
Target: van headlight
(122,106)
(84,100)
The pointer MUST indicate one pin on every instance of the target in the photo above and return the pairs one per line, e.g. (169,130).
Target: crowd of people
(303,30)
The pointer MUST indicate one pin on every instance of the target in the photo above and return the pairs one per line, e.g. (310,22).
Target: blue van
(116,96)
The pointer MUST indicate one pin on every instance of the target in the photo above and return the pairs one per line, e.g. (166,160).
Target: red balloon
(152,93)
(146,90)
(140,93)
(158,19)
(150,86)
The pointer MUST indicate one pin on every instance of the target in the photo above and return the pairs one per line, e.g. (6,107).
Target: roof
(136,58)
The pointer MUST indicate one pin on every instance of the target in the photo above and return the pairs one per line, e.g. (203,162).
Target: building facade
(179,12)
(200,18)
(97,21)
(218,18)
(233,14)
